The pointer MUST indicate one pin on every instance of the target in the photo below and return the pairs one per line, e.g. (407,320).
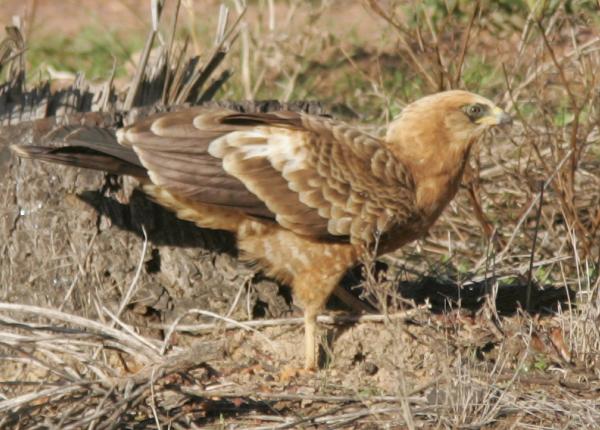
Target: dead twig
(253,324)
(531,259)
(294,396)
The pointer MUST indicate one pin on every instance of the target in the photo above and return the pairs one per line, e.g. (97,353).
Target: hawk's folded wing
(312,175)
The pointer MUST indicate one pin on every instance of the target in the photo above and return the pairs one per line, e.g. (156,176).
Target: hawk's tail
(87,147)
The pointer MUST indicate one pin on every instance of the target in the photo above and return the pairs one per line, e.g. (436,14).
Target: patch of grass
(93,52)
(541,363)
(479,74)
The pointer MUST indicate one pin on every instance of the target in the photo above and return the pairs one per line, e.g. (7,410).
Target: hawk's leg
(312,268)
(310,339)
(313,289)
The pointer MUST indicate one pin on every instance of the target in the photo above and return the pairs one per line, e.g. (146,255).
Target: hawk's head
(452,117)
(438,130)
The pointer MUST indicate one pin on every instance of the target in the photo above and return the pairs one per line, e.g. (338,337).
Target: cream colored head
(458,115)
(433,137)
(438,130)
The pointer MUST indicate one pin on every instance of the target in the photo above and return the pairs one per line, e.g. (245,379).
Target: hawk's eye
(475,110)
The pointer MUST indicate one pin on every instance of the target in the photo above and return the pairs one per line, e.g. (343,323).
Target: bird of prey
(306,196)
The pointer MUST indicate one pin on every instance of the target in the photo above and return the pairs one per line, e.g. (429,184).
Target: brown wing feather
(175,153)
(312,175)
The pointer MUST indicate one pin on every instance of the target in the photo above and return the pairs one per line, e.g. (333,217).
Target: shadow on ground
(161,225)
(446,293)
(443,294)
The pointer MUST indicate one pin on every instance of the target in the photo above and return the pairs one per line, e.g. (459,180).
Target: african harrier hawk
(306,196)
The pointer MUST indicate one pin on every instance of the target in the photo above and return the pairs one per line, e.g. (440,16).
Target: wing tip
(26,151)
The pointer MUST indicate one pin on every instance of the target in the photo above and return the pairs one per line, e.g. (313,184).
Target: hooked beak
(496,117)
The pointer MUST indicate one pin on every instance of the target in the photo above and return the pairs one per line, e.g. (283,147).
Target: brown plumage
(306,196)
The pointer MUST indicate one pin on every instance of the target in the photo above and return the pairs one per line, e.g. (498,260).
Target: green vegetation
(92,52)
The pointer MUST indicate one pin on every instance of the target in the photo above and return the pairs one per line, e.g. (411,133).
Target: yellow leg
(310,339)
(312,290)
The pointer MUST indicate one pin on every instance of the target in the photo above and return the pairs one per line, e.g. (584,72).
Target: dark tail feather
(87,147)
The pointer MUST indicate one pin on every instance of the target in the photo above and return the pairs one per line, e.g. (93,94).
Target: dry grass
(490,321)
